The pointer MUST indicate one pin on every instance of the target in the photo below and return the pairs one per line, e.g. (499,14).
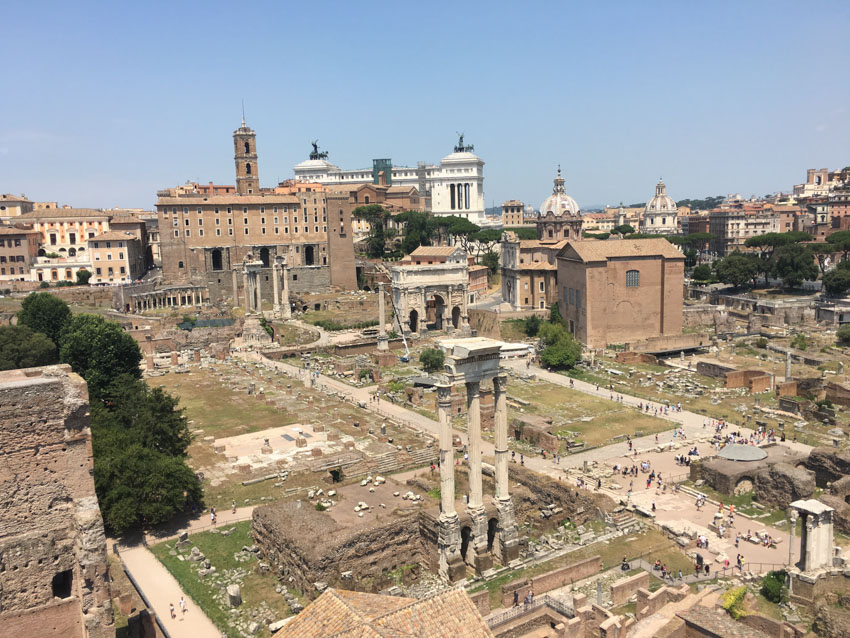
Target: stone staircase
(625,521)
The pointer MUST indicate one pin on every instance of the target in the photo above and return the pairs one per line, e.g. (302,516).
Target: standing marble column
(286,309)
(452,568)
(383,342)
(276,285)
(235,288)
(508,536)
(260,291)
(246,293)
(477,554)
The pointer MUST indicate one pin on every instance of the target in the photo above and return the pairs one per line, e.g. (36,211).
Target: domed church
(660,216)
(560,217)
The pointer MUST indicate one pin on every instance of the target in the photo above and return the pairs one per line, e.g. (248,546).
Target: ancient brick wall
(625,588)
(309,547)
(52,542)
(551,580)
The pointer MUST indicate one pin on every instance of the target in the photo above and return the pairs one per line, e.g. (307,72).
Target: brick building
(206,232)
(18,251)
(513,212)
(54,580)
(621,291)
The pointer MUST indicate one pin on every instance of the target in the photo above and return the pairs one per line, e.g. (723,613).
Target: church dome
(661,203)
(559,203)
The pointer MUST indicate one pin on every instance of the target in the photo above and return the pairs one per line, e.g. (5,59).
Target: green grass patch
(220,550)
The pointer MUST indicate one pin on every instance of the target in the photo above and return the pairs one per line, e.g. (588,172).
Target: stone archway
(456,317)
(437,312)
(264,257)
(492,533)
(413,321)
(744,485)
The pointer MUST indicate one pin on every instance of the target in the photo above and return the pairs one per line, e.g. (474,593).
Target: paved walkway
(162,590)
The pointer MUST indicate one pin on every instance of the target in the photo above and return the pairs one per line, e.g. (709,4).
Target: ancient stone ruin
(53,567)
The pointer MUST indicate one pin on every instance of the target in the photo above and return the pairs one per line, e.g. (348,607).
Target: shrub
(532,325)
(333,325)
(761,342)
(83,276)
(773,586)
(44,284)
(320,507)
(800,342)
(365,373)
(843,334)
(733,601)
(432,359)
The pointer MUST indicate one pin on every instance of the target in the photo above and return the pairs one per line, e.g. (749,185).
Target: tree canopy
(20,347)
(523,232)
(45,313)
(561,350)
(737,269)
(837,281)
(99,351)
(432,359)
(140,438)
(795,264)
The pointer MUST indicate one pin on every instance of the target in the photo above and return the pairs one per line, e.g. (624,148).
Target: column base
(452,568)
(383,342)
(477,554)
(508,549)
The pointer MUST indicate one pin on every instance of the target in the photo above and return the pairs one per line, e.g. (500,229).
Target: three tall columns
(478,552)
(383,341)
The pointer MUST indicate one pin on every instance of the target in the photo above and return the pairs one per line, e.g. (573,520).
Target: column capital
(444,393)
(473,388)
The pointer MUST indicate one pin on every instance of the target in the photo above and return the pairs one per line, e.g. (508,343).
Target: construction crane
(405,358)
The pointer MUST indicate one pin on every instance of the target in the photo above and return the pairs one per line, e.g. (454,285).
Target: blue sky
(107,102)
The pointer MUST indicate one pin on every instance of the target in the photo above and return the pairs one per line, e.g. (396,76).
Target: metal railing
(520,610)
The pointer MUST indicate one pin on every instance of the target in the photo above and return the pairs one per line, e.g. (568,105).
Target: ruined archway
(413,321)
(309,256)
(216,259)
(436,312)
(456,317)
(492,533)
(264,257)
(743,486)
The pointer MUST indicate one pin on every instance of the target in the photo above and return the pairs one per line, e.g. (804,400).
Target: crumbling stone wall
(53,566)
(305,547)
(781,484)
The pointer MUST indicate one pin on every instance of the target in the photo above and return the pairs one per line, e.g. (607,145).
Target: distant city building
(621,291)
(735,222)
(598,223)
(18,252)
(660,215)
(513,213)
(819,181)
(455,186)
(206,232)
(117,257)
(529,267)
(14,206)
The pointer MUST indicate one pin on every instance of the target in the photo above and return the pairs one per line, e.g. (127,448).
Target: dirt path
(162,590)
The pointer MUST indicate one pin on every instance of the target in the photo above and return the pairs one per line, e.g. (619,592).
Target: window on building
(230,231)
(632,278)
(578,299)
(176,233)
(572,297)
(542,287)
(62,584)
(200,232)
(179,264)
(248,168)
(122,270)
(245,210)
(52,239)
(188,233)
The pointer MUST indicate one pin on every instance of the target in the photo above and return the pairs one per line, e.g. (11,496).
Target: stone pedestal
(383,342)
(477,555)
(452,567)
(508,549)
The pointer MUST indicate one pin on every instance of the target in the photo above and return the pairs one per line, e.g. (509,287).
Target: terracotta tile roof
(231,199)
(612,248)
(434,251)
(542,243)
(537,265)
(49,213)
(345,614)
(8,197)
(477,267)
(115,235)
(8,230)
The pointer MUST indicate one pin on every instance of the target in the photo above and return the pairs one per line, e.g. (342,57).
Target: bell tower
(245,155)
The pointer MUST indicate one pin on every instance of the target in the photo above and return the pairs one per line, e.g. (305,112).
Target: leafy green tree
(840,242)
(418,229)
(377,218)
(491,260)
(486,240)
(702,273)
(99,351)
(596,235)
(837,282)
(20,347)
(561,350)
(432,359)
(83,277)
(706,203)
(737,269)
(555,315)
(795,264)
(532,325)
(843,334)
(45,313)
(623,229)
(140,438)
(767,246)
(800,342)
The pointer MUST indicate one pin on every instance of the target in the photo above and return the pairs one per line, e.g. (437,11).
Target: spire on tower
(243,113)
